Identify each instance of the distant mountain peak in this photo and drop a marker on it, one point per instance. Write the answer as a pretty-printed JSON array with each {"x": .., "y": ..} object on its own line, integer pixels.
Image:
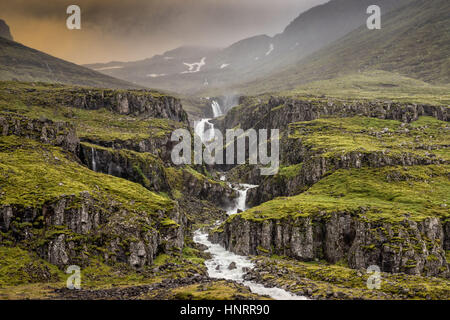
[{"x": 4, "y": 31}]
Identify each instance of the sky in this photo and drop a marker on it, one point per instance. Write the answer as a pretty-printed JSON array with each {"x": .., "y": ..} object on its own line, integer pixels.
[{"x": 118, "y": 30}]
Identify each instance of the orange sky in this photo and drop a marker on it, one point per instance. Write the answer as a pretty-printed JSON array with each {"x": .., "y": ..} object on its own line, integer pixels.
[{"x": 137, "y": 29}]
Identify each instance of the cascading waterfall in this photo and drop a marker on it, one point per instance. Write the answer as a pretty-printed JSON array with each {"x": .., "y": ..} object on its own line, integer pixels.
[
  {"x": 219, "y": 265},
  {"x": 205, "y": 129},
  {"x": 242, "y": 198},
  {"x": 217, "y": 111},
  {"x": 94, "y": 164}
]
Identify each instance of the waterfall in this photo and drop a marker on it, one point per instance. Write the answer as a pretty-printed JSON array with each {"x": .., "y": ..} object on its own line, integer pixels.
[
  {"x": 94, "y": 164},
  {"x": 241, "y": 200},
  {"x": 221, "y": 259},
  {"x": 217, "y": 111},
  {"x": 205, "y": 130}
]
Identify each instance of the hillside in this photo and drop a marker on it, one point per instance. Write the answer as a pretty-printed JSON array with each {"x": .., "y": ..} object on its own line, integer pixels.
[
  {"x": 413, "y": 41},
  {"x": 21, "y": 63}
]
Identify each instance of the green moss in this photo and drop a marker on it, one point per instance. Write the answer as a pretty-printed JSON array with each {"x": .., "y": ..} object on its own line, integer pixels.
[
  {"x": 290, "y": 171},
  {"x": 337, "y": 281},
  {"x": 376, "y": 193},
  {"x": 334, "y": 136},
  {"x": 32, "y": 174},
  {"x": 18, "y": 267}
]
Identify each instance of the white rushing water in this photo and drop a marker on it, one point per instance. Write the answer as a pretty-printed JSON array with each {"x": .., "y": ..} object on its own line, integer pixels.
[
  {"x": 205, "y": 130},
  {"x": 217, "y": 111},
  {"x": 94, "y": 164},
  {"x": 242, "y": 198},
  {"x": 218, "y": 268},
  {"x": 218, "y": 265}
]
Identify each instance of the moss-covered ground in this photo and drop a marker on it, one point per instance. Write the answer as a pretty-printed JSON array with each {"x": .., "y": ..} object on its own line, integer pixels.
[
  {"x": 387, "y": 193},
  {"x": 320, "y": 280}
]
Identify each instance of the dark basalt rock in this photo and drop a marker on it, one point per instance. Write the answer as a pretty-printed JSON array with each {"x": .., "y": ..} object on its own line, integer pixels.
[{"x": 343, "y": 237}]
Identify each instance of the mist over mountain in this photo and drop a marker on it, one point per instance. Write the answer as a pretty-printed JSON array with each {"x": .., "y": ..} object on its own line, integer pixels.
[
  {"x": 250, "y": 58},
  {"x": 414, "y": 41}
]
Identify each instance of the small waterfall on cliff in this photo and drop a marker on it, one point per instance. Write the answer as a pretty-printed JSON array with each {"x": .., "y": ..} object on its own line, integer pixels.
[
  {"x": 242, "y": 198},
  {"x": 94, "y": 164},
  {"x": 205, "y": 130},
  {"x": 217, "y": 111}
]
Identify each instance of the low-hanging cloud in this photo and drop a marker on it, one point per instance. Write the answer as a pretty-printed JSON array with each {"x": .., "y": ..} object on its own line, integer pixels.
[{"x": 136, "y": 29}]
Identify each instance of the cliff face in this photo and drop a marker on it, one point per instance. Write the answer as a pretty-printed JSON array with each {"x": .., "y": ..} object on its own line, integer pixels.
[
  {"x": 278, "y": 112},
  {"x": 132, "y": 102},
  {"x": 71, "y": 229},
  {"x": 4, "y": 30},
  {"x": 410, "y": 247},
  {"x": 74, "y": 213},
  {"x": 59, "y": 134},
  {"x": 143, "y": 168}
]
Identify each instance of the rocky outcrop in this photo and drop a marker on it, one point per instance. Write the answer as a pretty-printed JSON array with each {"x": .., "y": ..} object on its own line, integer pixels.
[
  {"x": 135, "y": 103},
  {"x": 60, "y": 134},
  {"x": 72, "y": 229},
  {"x": 278, "y": 112},
  {"x": 4, "y": 30},
  {"x": 412, "y": 247},
  {"x": 200, "y": 187},
  {"x": 142, "y": 168},
  {"x": 160, "y": 146}
]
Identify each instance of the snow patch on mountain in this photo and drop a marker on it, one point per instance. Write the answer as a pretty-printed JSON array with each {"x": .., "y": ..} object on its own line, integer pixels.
[
  {"x": 194, "y": 67},
  {"x": 270, "y": 49},
  {"x": 155, "y": 75},
  {"x": 223, "y": 66},
  {"x": 109, "y": 68}
]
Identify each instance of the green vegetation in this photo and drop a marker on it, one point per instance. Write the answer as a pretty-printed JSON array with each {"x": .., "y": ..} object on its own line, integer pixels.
[
  {"x": 414, "y": 41},
  {"x": 19, "y": 267},
  {"x": 48, "y": 101},
  {"x": 326, "y": 281},
  {"x": 32, "y": 174},
  {"x": 217, "y": 290},
  {"x": 332, "y": 136},
  {"x": 387, "y": 193},
  {"x": 374, "y": 85}
]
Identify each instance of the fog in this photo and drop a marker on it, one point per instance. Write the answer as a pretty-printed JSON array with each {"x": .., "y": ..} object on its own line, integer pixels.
[{"x": 117, "y": 30}]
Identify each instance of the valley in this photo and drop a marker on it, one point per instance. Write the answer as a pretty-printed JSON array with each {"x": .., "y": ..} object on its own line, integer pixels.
[{"x": 362, "y": 182}]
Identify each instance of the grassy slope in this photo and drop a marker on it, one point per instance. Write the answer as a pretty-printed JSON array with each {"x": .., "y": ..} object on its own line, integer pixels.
[
  {"x": 18, "y": 62},
  {"x": 414, "y": 41},
  {"x": 40, "y": 100},
  {"x": 386, "y": 193}
]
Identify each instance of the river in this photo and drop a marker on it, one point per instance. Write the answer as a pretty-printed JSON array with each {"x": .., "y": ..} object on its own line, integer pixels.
[{"x": 218, "y": 266}]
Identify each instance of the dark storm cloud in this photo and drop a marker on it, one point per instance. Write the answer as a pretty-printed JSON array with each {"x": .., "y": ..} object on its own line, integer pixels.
[{"x": 133, "y": 29}]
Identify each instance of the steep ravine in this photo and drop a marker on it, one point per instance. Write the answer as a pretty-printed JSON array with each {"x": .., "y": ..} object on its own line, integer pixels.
[
  {"x": 230, "y": 266},
  {"x": 225, "y": 264}
]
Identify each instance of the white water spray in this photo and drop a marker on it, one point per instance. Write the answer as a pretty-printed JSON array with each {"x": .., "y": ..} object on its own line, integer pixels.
[
  {"x": 242, "y": 198},
  {"x": 217, "y": 111},
  {"x": 94, "y": 164}
]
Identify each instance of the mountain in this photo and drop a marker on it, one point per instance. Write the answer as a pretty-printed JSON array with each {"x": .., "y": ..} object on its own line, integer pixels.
[
  {"x": 4, "y": 30},
  {"x": 414, "y": 41},
  {"x": 21, "y": 63},
  {"x": 190, "y": 70}
]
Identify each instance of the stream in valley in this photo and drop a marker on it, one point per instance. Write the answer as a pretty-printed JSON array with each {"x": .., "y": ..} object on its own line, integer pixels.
[{"x": 225, "y": 264}]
